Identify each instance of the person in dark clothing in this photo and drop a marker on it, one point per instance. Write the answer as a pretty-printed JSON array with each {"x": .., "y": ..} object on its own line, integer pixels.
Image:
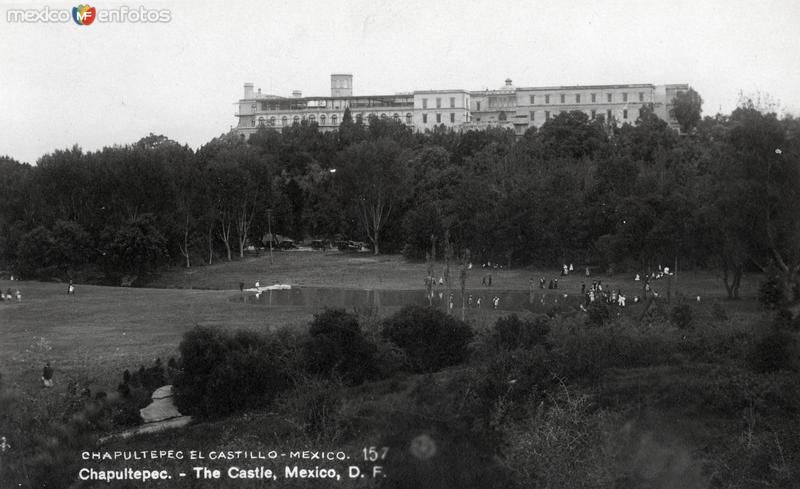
[
  {"x": 47, "y": 375},
  {"x": 583, "y": 288}
]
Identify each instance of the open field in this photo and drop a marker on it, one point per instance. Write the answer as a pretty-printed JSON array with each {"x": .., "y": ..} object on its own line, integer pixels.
[
  {"x": 366, "y": 271},
  {"x": 103, "y": 330}
]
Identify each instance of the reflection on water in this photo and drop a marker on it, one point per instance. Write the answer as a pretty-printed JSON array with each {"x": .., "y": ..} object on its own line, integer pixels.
[{"x": 318, "y": 297}]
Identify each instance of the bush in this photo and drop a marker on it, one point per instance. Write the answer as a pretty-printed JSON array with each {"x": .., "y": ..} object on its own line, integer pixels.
[
  {"x": 775, "y": 351},
  {"x": 431, "y": 339},
  {"x": 511, "y": 332},
  {"x": 510, "y": 379},
  {"x": 389, "y": 359},
  {"x": 597, "y": 314},
  {"x": 771, "y": 293},
  {"x": 563, "y": 443},
  {"x": 785, "y": 319},
  {"x": 681, "y": 316},
  {"x": 314, "y": 404},
  {"x": 223, "y": 372},
  {"x": 585, "y": 354},
  {"x": 337, "y": 347},
  {"x": 655, "y": 313}
]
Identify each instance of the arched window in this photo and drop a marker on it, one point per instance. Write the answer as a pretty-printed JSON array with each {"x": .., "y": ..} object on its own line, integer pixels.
[
  {"x": 334, "y": 120},
  {"x": 322, "y": 120},
  {"x": 296, "y": 119},
  {"x": 501, "y": 116},
  {"x": 284, "y": 121},
  {"x": 396, "y": 117},
  {"x": 409, "y": 118},
  {"x": 261, "y": 121},
  {"x": 312, "y": 118},
  {"x": 383, "y": 116},
  {"x": 272, "y": 121}
]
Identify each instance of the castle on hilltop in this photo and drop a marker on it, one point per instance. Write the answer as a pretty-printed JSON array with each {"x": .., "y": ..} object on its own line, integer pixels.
[{"x": 517, "y": 108}]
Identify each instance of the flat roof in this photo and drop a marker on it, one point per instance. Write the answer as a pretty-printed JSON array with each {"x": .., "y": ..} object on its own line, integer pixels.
[
  {"x": 590, "y": 87},
  {"x": 328, "y": 97},
  {"x": 452, "y": 90}
]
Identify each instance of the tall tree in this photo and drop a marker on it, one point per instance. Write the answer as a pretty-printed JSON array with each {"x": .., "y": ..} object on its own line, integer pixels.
[
  {"x": 686, "y": 108},
  {"x": 375, "y": 174}
]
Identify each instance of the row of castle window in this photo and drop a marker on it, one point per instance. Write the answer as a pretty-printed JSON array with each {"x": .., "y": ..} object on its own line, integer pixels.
[
  {"x": 563, "y": 98},
  {"x": 438, "y": 118},
  {"x": 323, "y": 119},
  {"x": 439, "y": 103}
]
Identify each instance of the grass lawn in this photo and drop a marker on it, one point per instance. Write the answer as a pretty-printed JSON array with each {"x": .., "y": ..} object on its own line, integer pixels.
[
  {"x": 366, "y": 271},
  {"x": 103, "y": 330},
  {"x": 100, "y": 331}
]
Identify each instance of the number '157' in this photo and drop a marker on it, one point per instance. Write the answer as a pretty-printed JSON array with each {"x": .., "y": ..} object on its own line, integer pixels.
[{"x": 373, "y": 454}]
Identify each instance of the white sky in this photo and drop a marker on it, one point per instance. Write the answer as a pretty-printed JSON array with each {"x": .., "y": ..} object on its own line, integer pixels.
[{"x": 105, "y": 84}]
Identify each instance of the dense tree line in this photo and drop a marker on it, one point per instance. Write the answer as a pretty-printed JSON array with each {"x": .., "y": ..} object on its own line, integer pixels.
[{"x": 723, "y": 193}]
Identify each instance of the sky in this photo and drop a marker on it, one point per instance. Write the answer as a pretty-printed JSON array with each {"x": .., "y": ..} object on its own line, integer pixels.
[{"x": 103, "y": 84}]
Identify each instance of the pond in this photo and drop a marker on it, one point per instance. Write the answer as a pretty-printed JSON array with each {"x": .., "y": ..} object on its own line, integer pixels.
[{"x": 319, "y": 297}]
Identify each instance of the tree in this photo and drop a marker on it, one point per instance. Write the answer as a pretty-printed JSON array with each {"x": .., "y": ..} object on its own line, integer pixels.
[
  {"x": 686, "y": 109},
  {"x": 137, "y": 247},
  {"x": 71, "y": 246},
  {"x": 235, "y": 183},
  {"x": 375, "y": 174},
  {"x": 34, "y": 247},
  {"x": 572, "y": 134}
]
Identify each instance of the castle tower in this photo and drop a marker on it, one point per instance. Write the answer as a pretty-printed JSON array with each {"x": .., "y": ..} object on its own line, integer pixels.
[{"x": 341, "y": 85}]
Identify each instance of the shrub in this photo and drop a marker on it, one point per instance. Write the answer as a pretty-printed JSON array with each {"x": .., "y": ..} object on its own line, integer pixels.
[
  {"x": 314, "y": 404},
  {"x": 655, "y": 313},
  {"x": 771, "y": 293},
  {"x": 597, "y": 314},
  {"x": 777, "y": 350},
  {"x": 585, "y": 354},
  {"x": 431, "y": 339},
  {"x": 511, "y": 332},
  {"x": 681, "y": 316},
  {"x": 389, "y": 359},
  {"x": 563, "y": 443},
  {"x": 337, "y": 347},
  {"x": 224, "y": 372},
  {"x": 511, "y": 378}
]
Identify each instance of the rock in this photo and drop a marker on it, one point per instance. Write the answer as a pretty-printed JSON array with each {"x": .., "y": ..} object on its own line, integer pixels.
[{"x": 161, "y": 408}]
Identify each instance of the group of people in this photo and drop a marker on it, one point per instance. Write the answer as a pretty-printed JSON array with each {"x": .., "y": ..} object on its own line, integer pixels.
[
  {"x": 472, "y": 302},
  {"x": 10, "y": 295},
  {"x": 552, "y": 285},
  {"x": 608, "y": 295}
]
